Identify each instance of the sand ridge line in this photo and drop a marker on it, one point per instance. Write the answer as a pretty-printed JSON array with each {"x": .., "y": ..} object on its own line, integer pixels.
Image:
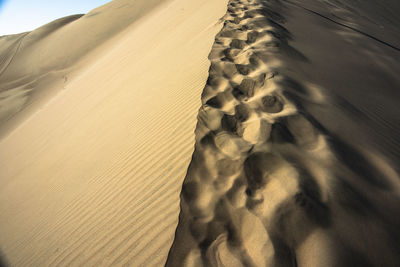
[
  {"x": 93, "y": 179},
  {"x": 266, "y": 181},
  {"x": 15, "y": 46}
]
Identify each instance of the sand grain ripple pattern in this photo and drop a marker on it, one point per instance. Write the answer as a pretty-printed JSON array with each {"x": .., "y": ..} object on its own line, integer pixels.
[{"x": 267, "y": 184}]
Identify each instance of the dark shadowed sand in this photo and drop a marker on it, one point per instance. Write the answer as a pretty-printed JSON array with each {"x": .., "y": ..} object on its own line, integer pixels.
[
  {"x": 294, "y": 160},
  {"x": 298, "y": 140}
]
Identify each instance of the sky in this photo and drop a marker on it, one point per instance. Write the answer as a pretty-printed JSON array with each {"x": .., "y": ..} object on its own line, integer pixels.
[{"x": 18, "y": 16}]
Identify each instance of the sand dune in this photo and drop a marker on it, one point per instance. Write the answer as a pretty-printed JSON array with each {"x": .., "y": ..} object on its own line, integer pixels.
[
  {"x": 294, "y": 160},
  {"x": 35, "y": 66},
  {"x": 269, "y": 184},
  {"x": 93, "y": 176}
]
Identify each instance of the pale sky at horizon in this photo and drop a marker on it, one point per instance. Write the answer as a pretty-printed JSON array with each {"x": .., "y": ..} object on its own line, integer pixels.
[{"x": 18, "y": 16}]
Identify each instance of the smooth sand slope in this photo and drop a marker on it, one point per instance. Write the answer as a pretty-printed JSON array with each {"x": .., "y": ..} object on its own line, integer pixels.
[
  {"x": 297, "y": 141},
  {"x": 35, "y": 65},
  {"x": 92, "y": 176}
]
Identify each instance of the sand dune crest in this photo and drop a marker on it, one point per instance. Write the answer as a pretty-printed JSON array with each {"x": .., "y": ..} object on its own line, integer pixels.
[{"x": 269, "y": 187}]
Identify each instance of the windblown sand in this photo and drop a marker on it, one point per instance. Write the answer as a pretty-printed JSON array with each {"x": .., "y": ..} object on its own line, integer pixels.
[
  {"x": 269, "y": 184},
  {"x": 294, "y": 159},
  {"x": 93, "y": 176}
]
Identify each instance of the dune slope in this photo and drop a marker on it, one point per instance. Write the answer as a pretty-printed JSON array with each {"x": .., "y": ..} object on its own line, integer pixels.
[
  {"x": 296, "y": 144},
  {"x": 34, "y": 66},
  {"x": 92, "y": 178}
]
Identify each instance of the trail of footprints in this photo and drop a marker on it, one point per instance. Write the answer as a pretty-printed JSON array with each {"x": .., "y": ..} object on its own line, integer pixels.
[
  {"x": 243, "y": 202},
  {"x": 236, "y": 182}
]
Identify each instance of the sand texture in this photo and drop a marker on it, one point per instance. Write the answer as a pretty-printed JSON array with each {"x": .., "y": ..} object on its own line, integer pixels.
[
  {"x": 93, "y": 176},
  {"x": 268, "y": 184},
  {"x": 294, "y": 160},
  {"x": 35, "y": 66}
]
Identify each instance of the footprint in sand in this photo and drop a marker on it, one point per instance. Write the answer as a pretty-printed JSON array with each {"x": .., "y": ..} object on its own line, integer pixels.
[{"x": 252, "y": 162}]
